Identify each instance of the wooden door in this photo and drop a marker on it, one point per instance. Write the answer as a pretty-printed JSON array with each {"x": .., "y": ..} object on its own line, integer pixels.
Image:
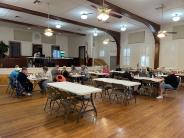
[{"x": 82, "y": 55}]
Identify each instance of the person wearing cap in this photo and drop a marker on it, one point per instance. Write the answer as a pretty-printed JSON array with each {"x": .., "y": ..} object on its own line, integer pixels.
[{"x": 14, "y": 73}]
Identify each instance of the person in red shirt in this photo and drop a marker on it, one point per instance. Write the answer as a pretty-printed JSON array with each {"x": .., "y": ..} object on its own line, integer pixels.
[{"x": 106, "y": 70}]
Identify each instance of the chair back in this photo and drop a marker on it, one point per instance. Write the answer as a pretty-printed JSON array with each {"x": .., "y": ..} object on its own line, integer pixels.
[
  {"x": 19, "y": 88},
  {"x": 99, "y": 84},
  {"x": 118, "y": 86}
]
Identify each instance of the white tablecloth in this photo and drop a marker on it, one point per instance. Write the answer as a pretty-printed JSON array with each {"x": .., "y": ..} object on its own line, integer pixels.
[
  {"x": 157, "y": 80},
  {"x": 37, "y": 79},
  {"x": 75, "y": 88},
  {"x": 121, "y": 82},
  {"x": 120, "y": 72},
  {"x": 98, "y": 73}
]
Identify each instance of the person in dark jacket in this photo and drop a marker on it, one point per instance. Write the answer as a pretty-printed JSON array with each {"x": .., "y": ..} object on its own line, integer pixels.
[
  {"x": 24, "y": 81},
  {"x": 65, "y": 73},
  {"x": 127, "y": 75},
  {"x": 170, "y": 82},
  {"x": 118, "y": 68}
]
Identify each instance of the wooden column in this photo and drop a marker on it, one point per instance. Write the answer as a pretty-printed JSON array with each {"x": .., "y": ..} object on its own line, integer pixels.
[
  {"x": 117, "y": 38},
  {"x": 157, "y": 51}
]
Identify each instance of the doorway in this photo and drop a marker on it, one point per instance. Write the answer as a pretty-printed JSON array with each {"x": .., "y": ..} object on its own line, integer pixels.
[
  {"x": 15, "y": 49},
  {"x": 82, "y": 55},
  {"x": 113, "y": 62},
  {"x": 37, "y": 48}
]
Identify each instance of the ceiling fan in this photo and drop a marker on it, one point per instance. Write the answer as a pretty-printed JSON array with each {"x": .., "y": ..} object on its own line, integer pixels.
[
  {"x": 111, "y": 14},
  {"x": 163, "y": 33},
  {"x": 104, "y": 12},
  {"x": 37, "y": 2}
]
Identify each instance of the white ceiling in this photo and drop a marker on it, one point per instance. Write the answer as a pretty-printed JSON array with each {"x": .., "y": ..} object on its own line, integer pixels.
[
  {"x": 146, "y": 8},
  {"x": 71, "y": 9}
]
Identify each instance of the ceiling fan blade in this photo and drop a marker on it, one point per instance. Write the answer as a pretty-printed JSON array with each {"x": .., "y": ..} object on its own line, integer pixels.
[
  {"x": 172, "y": 32},
  {"x": 89, "y": 13},
  {"x": 94, "y": 6},
  {"x": 115, "y": 15}
]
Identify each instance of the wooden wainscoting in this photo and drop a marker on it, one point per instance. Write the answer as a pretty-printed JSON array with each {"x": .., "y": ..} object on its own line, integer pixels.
[{"x": 3, "y": 79}]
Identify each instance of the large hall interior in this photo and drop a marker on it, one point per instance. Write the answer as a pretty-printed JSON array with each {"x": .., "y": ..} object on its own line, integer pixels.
[{"x": 91, "y": 68}]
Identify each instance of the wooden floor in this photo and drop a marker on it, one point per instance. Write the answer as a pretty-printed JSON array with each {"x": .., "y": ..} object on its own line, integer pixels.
[{"x": 149, "y": 118}]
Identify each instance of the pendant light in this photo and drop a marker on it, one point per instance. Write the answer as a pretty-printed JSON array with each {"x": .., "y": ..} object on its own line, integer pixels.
[
  {"x": 103, "y": 13},
  {"x": 106, "y": 40},
  {"x": 48, "y": 31},
  {"x": 162, "y": 34}
]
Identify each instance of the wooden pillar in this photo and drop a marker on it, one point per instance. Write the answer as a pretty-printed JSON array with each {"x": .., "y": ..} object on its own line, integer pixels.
[
  {"x": 117, "y": 38},
  {"x": 157, "y": 51}
]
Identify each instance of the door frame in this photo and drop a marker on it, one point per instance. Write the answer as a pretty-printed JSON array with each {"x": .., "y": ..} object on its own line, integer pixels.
[
  {"x": 10, "y": 55},
  {"x": 82, "y": 47},
  {"x": 33, "y": 45}
]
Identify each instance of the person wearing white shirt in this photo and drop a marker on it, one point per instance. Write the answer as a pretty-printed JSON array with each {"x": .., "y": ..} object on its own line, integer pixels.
[{"x": 47, "y": 77}]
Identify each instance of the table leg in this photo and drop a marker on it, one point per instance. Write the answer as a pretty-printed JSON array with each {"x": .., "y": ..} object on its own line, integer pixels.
[{"x": 92, "y": 102}]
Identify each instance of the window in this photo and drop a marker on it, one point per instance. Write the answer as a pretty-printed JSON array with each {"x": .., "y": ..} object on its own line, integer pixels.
[
  {"x": 102, "y": 53},
  {"x": 144, "y": 59},
  {"x": 126, "y": 56},
  {"x": 15, "y": 49},
  {"x": 55, "y": 51}
]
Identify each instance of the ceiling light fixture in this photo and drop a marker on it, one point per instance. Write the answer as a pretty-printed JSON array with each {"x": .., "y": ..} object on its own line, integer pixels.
[
  {"x": 176, "y": 17},
  {"x": 84, "y": 15},
  {"x": 58, "y": 26},
  {"x": 123, "y": 28},
  {"x": 161, "y": 34},
  {"x": 95, "y": 33},
  {"x": 48, "y": 32},
  {"x": 106, "y": 41},
  {"x": 103, "y": 13}
]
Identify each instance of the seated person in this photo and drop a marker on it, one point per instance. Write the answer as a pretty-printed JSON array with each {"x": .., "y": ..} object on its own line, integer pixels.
[
  {"x": 14, "y": 73},
  {"x": 60, "y": 78},
  {"x": 106, "y": 70},
  {"x": 170, "y": 82},
  {"x": 24, "y": 81},
  {"x": 143, "y": 73},
  {"x": 127, "y": 75},
  {"x": 43, "y": 83},
  {"x": 85, "y": 73},
  {"x": 55, "y": 71},
  {"x": 150, "y": 72},
  {"x": 65, "y": 73},
  {"x": 118, "y": 68},
  {"x": 73, "y": 69}
]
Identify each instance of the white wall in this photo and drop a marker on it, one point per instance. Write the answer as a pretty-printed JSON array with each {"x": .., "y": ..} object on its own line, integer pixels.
[
  {"x": 139, "y": 49},
  {"x": 7, "y": 34},
  {"x": 172, "y": 51},
  {"x": 108, "y": 50},
  {"x": 75, "y": 41}
]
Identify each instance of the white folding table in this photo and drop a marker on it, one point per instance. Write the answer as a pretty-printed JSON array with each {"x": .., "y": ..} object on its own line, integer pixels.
[
  {"x": 116, "y": 81},
  {"x": 77, "y": 89}
]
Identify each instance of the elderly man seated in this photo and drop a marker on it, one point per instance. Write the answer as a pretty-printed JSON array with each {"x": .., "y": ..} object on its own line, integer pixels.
[{"x": 170, "y": 82}]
